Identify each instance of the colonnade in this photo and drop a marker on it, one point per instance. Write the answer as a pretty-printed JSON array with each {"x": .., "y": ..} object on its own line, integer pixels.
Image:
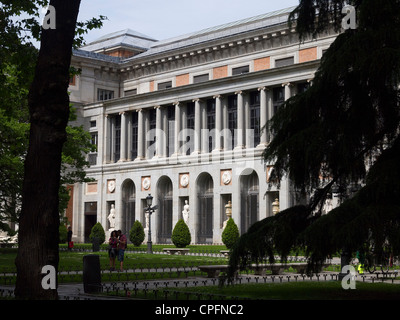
[{"x": 118, "y": 132}]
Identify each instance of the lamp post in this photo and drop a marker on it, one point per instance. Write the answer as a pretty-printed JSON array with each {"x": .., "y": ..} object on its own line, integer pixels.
[{"x": 149, "y": 201}]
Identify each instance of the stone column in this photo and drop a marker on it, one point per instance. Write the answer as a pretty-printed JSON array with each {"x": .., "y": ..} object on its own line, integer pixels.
[
  {"x": 288, "y": 90},
  {"x": 247, "y": 132},
  {"x": 263, "y": 116},
  {"x": 240, "y": 120},
  {"x": 197, "y": 126},
  {"x": 203, "y": 128},
  {"x": 218, "y": 122},
  {"x": 159, "y": 132},
  {"x": 177, "y": 127},
  {"x": 112, "y": 139},
  {"x": 285, "y": 185},
  {"x": 140, "y": 154},
  {"x": 129, "y": 138},
  {"x": 106, "y": 139},
  {"x": 123, "y": 137}
]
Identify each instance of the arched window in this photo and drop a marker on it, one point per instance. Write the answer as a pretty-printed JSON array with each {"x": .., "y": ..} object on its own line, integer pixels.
[
  {"x": 249, "y": 191},
  {"x": 128, "y": 206},
  {"x": 164, "y": 212},
  {"x": 205, "y": 187}
]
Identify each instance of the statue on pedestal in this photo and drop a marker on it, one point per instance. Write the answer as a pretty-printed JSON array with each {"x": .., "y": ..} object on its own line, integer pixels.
[
  {"x": 228, "y": 211},
  {"x": 111, "y": 217},
  {"x": 185, "y": 212}
]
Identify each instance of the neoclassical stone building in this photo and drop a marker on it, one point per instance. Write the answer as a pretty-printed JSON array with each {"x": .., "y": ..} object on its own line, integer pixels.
[{"x": 181, "y": 119}]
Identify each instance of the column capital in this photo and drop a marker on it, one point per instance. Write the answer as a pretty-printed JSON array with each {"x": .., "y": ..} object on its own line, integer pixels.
[
  {"x": 217, "y": 96},
  {"x": 157, "y": 107},
  {"x": 287, "y": 84},
  {"x": 122, "y": 113},
  {"x": 176, "y": 103},
  {"x": 240, "y": 92},
  {"x": 265, "y": 88},
  {"x": 197, "y": 100}
]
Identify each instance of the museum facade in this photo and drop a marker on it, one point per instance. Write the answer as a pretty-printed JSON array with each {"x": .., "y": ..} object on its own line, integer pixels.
[{"x": 182, "y": 119}]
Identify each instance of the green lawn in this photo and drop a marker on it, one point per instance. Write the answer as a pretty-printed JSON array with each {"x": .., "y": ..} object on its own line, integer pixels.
[
  {"x": 326, "y": 290},
  {"x": 73, "y": 260}
]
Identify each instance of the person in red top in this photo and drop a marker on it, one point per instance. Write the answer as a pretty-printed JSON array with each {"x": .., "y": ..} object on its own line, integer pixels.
[
  {"x": 112, "y": 251},
  {"x": 122, "y": 242}
]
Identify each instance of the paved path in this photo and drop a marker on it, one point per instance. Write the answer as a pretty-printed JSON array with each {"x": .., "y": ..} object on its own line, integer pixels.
[{"x": 75, "y": 291}]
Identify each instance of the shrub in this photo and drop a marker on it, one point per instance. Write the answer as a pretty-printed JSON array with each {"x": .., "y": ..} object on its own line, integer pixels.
[
  {"x": 63, "y": 233},
  {"x": 98, "y": 232},
  {"x": 181, "y": 235},
  {"x": 230, "y": 234},
  {"x": 136, "y": 234}
]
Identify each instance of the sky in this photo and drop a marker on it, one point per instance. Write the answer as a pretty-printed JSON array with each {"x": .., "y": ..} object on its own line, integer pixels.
[{"x": 164, "y": 19}]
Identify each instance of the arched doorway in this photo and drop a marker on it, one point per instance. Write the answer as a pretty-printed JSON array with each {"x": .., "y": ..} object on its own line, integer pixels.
[
  {"x": 164, "y": 212},
  {"x": 128, "y": 206},
  {"x": 249, "y": 194},
  {"x": 205, "y": 195}
]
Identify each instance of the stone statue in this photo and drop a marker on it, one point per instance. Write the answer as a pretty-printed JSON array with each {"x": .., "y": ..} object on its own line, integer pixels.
[
  {"x": 185, "y": 212},
  {"x": 147, "y": 216},
  {"x": 111, "y": 217}
]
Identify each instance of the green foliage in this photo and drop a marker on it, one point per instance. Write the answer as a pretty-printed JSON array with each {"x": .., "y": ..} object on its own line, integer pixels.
[
  {"x": 324, "y": 137},
  {"x": 98, "y": 232},
  {"x": 136, "y": 234},
  {"x": 19, "y": 29},
  {"x": 63, "y": 233},
  {"x": 181, "y": 235},
  {"x": 230, "y": 234}
]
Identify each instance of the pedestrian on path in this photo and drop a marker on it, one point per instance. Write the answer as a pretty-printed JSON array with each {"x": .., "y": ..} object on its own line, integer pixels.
[
  {"x": 122, "y": 242},
  {"x": 113, "y": 250}
]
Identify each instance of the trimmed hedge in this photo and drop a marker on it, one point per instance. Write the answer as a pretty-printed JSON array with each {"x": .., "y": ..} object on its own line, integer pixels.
[
  {"x": 136, "y": 234},
  {"x": 230, "y": 234},
  {"x": 181, "y": 235},
  {"x": 98, "y": 232}
]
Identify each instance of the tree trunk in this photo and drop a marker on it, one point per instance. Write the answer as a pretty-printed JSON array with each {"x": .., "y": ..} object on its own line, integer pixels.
[{"x": 49, "y": 111}]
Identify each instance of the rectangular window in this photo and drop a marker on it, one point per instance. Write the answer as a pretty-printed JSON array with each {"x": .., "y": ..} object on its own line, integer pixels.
[
  {"x": 240, "y": 70},
  {"x": 134, "y": 146},
  {"x": 151, "y": 144},
  {"x": 103, "y": 94},
  {"x": 255, "y": 117},
  {"x": 93, "y": 124},
  {"x": 232, "y": 119},
  {"x": 117, "y": 138},
  {"x": 72, "y": 80},
  {"x": 171, "y": 131},
  {"x": 284, "y": 62},
  {"x": 303, "y": 87},
  {"x": 93, "y": 138},
  {"x": 164, "y": 85},
  {"x": 190, "y": 126},
  {"x": 278, "y": 97},
  {"x": 211, "y": 123},
  {"x": 128, "y": 93},
  {"x": 201, "y": 78}
]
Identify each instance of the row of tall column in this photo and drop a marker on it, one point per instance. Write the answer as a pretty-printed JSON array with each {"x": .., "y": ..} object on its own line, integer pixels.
[{"x": 200, "y": 144}]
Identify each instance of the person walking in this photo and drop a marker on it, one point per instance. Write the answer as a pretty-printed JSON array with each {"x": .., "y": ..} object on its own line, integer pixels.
[
  {"x": 69, "y": 239},
  {"x": 112, "y": 250},
  {"x": 122, "y": 243}
]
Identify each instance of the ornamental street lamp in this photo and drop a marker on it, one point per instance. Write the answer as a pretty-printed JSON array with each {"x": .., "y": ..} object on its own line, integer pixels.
[{"x": 150, "y": 210}]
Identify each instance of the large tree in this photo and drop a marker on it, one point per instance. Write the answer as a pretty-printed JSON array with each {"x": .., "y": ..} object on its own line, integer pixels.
[
  {"x": 49, "y": 113},
  {"x": 341, "y": 135}
]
